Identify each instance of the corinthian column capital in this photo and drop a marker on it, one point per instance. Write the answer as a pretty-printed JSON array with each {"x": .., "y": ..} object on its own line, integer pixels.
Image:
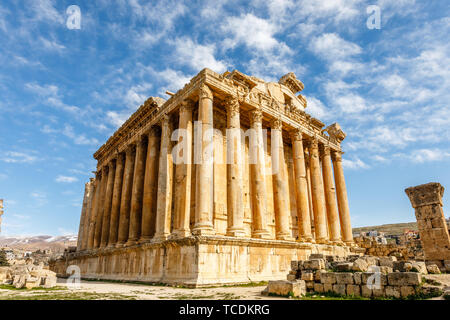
[
  {"x": 277, "y": 124},
  {"x": 186, "y": 106},
  {"x": 232, "y": 105},
  {"x": 336, "y": 156},
  {"x": 296, "y": 135},
  {"x": 256, "y": 117},
  {"x": 205, "y": 92}
]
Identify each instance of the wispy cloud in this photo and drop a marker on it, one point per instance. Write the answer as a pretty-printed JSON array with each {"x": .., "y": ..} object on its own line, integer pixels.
[{"x": 66, "y": 179}]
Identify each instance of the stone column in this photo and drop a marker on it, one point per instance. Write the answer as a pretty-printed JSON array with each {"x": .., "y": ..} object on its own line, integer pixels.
[
  {"x": 150, "y": 185},
  {"x": 426, "y": 200},
  {"x": 204, "y": 191},
  {"x": 93, "y": 217},
  {"x": 107, "y": 204},
  {"x": 301, "y": 187},
  {"x": 101, "y": 208},
  {"x": 280, "y": 182},
  {"x": 82, "y": 218},
  {"x": 235, "y": 206},
  {"x": 308, "y": 179},
  {"x": 125, "y": 201},
  {"x": 164, "y": 198},
  {"x": 341, "y": 193},
  {"x": 258, "y": 176},
  {"x": 183, "y": 173},
  {"x": 330, "y": 196},
  {"x": 87, "y": 220},
  {"x": 318, "y": 197},
  {"x": 115, "y": 207},
  {"x": 137, "y": 192}
]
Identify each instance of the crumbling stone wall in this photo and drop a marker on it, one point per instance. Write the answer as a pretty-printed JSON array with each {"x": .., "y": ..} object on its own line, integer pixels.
[
  {"x": 426, "y": 199},
  {"x": 412, "y": 250}
]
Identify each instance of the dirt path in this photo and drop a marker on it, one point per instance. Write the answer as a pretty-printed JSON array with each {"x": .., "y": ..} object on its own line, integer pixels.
[{"x": 109, "y": 290}]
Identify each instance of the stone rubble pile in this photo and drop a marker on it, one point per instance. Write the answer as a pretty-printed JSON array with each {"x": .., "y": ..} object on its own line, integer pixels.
[
  {"x": 28, "y": 276},
  {"x": 356, "y": 275}
]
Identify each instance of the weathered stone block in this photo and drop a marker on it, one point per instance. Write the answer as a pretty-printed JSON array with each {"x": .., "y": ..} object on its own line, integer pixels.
[
  {"x": 284, "y": 288},
  {"x": 316, "y": 256},
  {"x": 309, "y": 284},
  {"x": 327, "y": 287},
  {"x": 433, "y": 269},
  {"x": 344, "y": 266},
  {"x": 314, "y": 264},
  {"x": 371, "y": 278},
  {"x": 294, "y": 265},
  {"x": 419, "y": 266},
  {"x": 318, "y": 274},
  {"x": 340, "y": 289},
  {"x": 387, "y": 261},
  {"x": 447, "y": 265},
  {"x": 404, "y": 278},
  {"x": 379, "y": 291},
  {"x": 386, "y": 270},
  {"x": 357, "y": 277},
  {"x": 318, "y": 287},
  {"x": 328, "y": 277},
  {"x": 393, "y": 291},
  {"x": 291, "y": 277},
  {"x": 353, "y": 289},
  {"x": 307, "y": 276},
  {"x": 360, "y": 265},
  {"x": 344, "y": 278},
  {"x": 366, "y": 291},
  {"x": 407, "y": 291}
]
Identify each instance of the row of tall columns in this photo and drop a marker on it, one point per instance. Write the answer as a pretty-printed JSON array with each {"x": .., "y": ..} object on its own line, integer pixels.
[{"x": 130, "y": 200}]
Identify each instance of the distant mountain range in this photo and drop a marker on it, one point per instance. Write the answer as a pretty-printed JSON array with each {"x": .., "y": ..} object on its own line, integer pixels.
[{"x": 32, "y": 243}]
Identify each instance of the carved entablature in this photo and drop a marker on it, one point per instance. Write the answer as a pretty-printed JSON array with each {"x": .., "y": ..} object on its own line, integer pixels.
[
  {"x": 335, "y": 132},
  {"x": 291, "y": 81},
  {"x": 241, "y": 79}
]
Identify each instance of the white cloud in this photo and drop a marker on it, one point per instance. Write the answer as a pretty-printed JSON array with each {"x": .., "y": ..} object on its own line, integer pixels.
[
  {"x": 197, "y": 56},
  {"x": 331, "y": 46},
  {"x": 79, "y": 139},
  {"x": 317, "y": 109},
  {"x": 427, "y": 155},
  {"x": 354, "y": 164},
  {"x": 18, "y": 157},
  {"x": 253, "y": 32},
  {"x": 66, "y": 179}
]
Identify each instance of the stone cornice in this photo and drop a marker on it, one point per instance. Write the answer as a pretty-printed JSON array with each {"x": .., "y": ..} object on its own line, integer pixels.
[{"x": 229, "y": 84}]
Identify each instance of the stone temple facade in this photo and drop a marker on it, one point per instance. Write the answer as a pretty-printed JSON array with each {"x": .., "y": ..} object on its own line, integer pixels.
[{"x": 225, "y": 182}]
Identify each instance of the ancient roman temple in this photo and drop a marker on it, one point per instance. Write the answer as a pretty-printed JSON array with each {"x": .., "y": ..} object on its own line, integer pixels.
[{"x": 227, "y": 181}]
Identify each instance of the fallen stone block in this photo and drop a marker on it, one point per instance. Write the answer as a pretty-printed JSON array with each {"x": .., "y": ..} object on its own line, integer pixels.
[
  {"x": 447, "y": 265},
  {"x": 387, "y": 261},
  {"x": 343, "y": 266},
  {"x": 309, "y": 284},
  {"x": 291, "y": 277},
  {"x": 314, "y": 264},
  {"x": 307, "y": 276},
  {"x": 433, "y": 269},
  {"x": 294, "y": 265},
  {"x": 404, "y": 278},
  {"x": 285, "y": 288},
  {"x": 419, "y": 266},
  {"x": 386, "y": 270},
  {"x": 318, "y": 274},
  {"x": 360, "y": 265}
]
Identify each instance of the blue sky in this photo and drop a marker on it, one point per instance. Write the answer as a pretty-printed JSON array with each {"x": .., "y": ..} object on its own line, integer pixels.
[{"x": 63, "y": 92}]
